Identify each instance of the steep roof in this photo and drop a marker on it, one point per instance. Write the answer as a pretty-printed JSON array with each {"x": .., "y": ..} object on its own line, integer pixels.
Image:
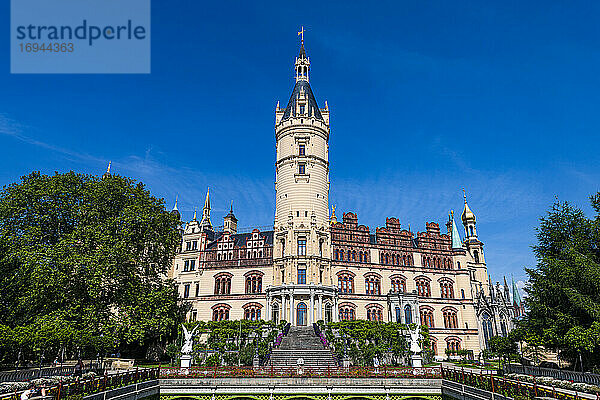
[{"x": 313, "y": 108}]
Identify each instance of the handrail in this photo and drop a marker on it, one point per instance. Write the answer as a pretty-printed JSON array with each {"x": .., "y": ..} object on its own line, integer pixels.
[
  {"x": 512, "y": 388},
  {"x": 94, "y": 384},
  {"x": 274, "y": 372}
]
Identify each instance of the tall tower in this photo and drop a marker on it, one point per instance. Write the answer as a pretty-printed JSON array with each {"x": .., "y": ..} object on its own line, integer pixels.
[{"x": 302, "y": 244}]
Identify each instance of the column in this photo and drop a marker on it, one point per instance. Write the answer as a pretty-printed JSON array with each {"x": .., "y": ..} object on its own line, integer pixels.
[
  {"x": 268, "y": 310},
  {"x": 292, "y": 316},
  {"x": 320, "y": 306},
  {"x": 283, "y": 307},
  {"x": 336, "y": 312},
  {"x": 311, "y": 314}
]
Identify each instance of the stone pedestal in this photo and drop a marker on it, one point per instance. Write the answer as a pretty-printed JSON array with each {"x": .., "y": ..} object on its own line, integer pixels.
[
  {"x": 186, "y": 363},
  {"x": 416, "y": 360},
  {"x": 256, "y": 361}
]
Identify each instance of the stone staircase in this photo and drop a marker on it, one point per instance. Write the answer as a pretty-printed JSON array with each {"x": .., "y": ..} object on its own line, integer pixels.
[{"x": 302, "y": 343}]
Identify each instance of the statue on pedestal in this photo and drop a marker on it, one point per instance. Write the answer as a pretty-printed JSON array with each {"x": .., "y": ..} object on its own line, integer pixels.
[
  {"x": 186, "y": 349},
  {"x": 415, "y": 348}
]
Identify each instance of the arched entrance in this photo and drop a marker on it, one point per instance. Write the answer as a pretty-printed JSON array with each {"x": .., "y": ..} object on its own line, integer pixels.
[{"x": 301, "y": 314}]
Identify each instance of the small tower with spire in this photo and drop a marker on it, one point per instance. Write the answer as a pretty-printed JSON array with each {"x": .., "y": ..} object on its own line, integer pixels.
[
  {"x": 473, "y": 244},
  {"x": 468, "y": 220},
  {"x": 175, "y": 210},
  {"x": 205, "y": 223},
  {"x": 107, "y": 173},
  {"x": 230, "y": 221},
  {"x": 302, "y": 64}
]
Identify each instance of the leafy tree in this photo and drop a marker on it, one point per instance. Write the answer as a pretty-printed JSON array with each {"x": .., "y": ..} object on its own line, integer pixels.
[
  {"x": 564, "y": 288},
  {"x": 504, "y": 346},
  {"x": 82, "y": 265}
]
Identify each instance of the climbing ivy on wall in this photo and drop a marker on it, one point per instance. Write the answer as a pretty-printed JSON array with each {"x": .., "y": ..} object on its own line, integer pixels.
[
  {"x": 363, "y": 341},
  {"x": 232, "y": 342}
]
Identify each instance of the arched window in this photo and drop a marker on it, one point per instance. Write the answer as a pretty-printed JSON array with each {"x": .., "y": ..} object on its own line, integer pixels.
[
  {"x": 488, "y": 331},
  {"x": 275, "y": 313},
  {"x": 223, "y": 284},
  {"x": 301, "y": 314},
  {"x": 471, "y": 230},
  {"x": 374, "y": 312},
  {"x": 337, "y": 254},
  {"x": 328, "y": 313},
  {"x": 450, "y": 318},
  {"x": 453, "y": 345},
  {"x": 347, "y": 312},
  {"x": 220, "y": 312},
  {"x": 427, "y": 316},
  {"x": 346, "y": 282},
  {"x": 447, "y": 289},
  {"x": 252, "y": 311},
  {"x": 398, "y": 284},
  {"x": 423, "y": 288},
  {"x": 462, "y": 293},
  {"x": 408, "y": 314},
  {"x": 476, "y": 256},
  {"x": 254, "y": 282},
  {"x": 349, "y": 254},
  {"x": 372, "y": 284},
  {"x": 404, "y": 260}
]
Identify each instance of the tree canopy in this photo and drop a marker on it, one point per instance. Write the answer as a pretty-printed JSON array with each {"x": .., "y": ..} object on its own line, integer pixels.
[
  {"x": 564, "y": 287},
  {"x": 83, "y": 262}
]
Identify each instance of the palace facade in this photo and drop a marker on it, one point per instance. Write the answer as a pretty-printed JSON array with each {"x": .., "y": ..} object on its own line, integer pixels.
[{"x": 312, "y": 267}]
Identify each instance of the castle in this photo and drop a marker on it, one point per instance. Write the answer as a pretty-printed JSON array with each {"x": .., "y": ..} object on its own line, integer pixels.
[{"x": 313, "y": 267}]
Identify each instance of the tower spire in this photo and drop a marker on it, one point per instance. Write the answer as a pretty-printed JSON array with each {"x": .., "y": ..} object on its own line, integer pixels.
[
  {"x": 205, "y": 222},
  {"x": 107, "y": 173}
]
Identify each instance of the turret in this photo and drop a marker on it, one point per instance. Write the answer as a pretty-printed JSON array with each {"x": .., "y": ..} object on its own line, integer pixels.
[
  {"x": 205, "y": 223},
  {"x": 230, "y": 221}
]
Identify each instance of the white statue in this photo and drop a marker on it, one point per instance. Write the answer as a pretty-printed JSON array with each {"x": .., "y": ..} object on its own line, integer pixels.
[
  {"x": 414, "y": 339},
  {"x": 188, "y": 340}
]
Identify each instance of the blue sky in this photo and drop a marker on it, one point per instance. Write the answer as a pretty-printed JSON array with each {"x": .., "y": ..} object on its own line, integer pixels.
[{"x": 426, "y": 98}]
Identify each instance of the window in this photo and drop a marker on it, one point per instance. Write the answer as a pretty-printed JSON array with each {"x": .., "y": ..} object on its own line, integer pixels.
[
  {"x": 302, "y": 107},
  {"x": 398, "y": 315},
  {"x": 336, "y": 254},
  {"x": 301, "y": 168},
  {"x": 275, "y": 313},
  {"x": 398, "y": 285},
  {"x": 223, "y": 284},
  {"x": 407, "y": 314},
  {"x": 197, "y": 289},
  {"x": 427, "y": 317},
  {"x": 186, "y": 291},
  {"x": 450, "y": 319},
  {"x": 347, "y": 312},
  {"x": 186, "y": 265},
  {"x": 471, "y": 230},
  {"x": 423, "y": 288},
  {"x": 372, "y": 285},
  {"x": 220, "y": 312},
  {"x": 188, "y": 245},
  {"x": 476, "y": 256},
  {"x": 321, "y": 247},
  {"x": 192, "y": 265},
  {"x": 301, "y": 150},
  {"x": 301, "y": 247},
  {"x": 374, "y": 313},
  {"x": 301, "y": 275},
  {"x": 195, "y": 245},
  {"x": 346, "y": 283},
  {"x": 252, "y": 311},
  {"x": 447, "y": 289},
  {"x": 453, "y": 345},
  {"x": 254, "y": 283}
]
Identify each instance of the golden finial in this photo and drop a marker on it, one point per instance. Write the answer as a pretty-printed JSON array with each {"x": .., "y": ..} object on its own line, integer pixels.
[
  {"x": 195, "y": 210},
  {"x": 465, "y": 195},
  {"x": 108, "y": 169},
  {"x": 301, "y": 34}
]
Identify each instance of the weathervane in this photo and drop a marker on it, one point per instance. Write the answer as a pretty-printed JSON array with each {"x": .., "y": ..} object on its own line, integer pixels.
[{"x": 301, "y": 34}]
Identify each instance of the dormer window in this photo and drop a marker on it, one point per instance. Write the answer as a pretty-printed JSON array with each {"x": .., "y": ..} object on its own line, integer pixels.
[
  {"x": 302, "y": 168},
  {"x": 301, "y": 150}
]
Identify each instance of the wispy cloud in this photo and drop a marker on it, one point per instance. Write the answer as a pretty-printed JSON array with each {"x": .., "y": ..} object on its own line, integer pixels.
[{"x": 16, "y": 130}]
